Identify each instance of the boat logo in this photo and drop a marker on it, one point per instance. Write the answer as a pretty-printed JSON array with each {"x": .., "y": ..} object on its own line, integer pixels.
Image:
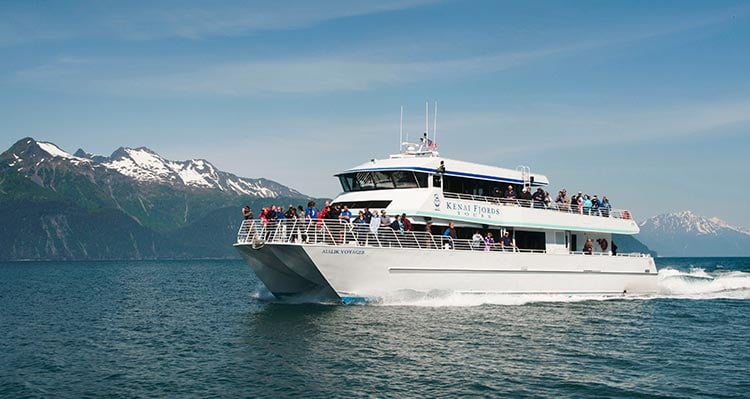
[{"x": 436, "y": 201}]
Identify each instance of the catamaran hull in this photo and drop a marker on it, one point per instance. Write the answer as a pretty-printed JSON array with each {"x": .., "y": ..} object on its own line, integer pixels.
[{"x": 372, "y": 272}]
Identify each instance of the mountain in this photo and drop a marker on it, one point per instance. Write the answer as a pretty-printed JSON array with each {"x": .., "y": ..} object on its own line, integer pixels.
[
  {"x": 687, "y": 234},
  {"x": 631, "y": 244},
  {"x": 132, "y": 204}
]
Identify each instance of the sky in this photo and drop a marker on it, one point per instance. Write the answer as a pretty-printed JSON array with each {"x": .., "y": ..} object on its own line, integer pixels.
[{"x": 647, "y": 102}]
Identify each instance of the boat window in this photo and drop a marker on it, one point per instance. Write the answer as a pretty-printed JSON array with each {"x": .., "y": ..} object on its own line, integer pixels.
[
  {"x": 382, "y": 180},
  {"x": 463, "y": 185},
  {"x": 530, "y": 240},
  {"x": 404, "y": 179},
  {"x": 364, "y": 204},
  {"x": 559, "y": 238},
  {"x": 421, "y": 179}
]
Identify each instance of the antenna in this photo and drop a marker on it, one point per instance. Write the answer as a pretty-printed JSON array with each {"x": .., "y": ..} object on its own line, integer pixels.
[
  {"x": 401, "y": 130},
  {"x": 427, "y": 118},
  {"x": 434, "y": 128}
]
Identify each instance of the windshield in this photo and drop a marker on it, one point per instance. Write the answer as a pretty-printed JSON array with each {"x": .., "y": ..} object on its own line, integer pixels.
[{"x": 382, "y": 180}]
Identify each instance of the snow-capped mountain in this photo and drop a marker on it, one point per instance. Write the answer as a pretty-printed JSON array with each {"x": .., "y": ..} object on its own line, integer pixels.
[
  {"x": 144, "y": 166},
  {"x": 687, "y": 234},
  {"x": 133, "y": 204}
]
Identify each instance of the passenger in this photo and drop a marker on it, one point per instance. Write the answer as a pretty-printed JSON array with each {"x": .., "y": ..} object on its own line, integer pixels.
[
  {"x": 360, "y": 226},
  {"x": 526, "y": 197},
  {"x": 429, "y": 242},
  {"x": 346, "y": 215},
  {"x": 510, "y": 193},
  {"x": 538, "y": 198},
  {"x": 595, "y": 204},
  {"x": 280, "y": 213},
  {"x": 398, "y": 225},
  {"x": 496, "y": 192},
  {"x": 587, "y": 204},
  {"x": 476, "y": 239},
  {"x": 406, "y": 222},
  {"x": 605, "y": 207},
  {"x": 440, "y": 169},
  {"x": 450, "y": 232},
  {"x": 374, "y": 223},
  {"x": 588, "y": 247},
  {"x": 291, "y": 213},
  {"x": 508, "y": 242},
  {"x": 300, "y": 212},
  {"x": 602, "y": 244},
  {"x": 323, "y": 212},
  {"x": 385, "y": 220},
  {"x": 579, "y": 202},
  {"x": 271, "y": 214},
  {"x": 264, "y": 216},
  {"x": 247, "y": 213},
  {"x": 312, "y": 212},
  {"x": 489, "y": 242},
  {"x": 547, "y": 200},
  {"x": 561, "y": 199},
  {"x": 368, "y": 215}
]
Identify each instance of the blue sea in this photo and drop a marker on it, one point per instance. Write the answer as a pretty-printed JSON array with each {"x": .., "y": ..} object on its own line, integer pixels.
[{"x": 209, "y": 329}]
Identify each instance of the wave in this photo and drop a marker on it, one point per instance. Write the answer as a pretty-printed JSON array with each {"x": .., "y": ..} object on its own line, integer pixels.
[{"x": 697, "y": 283}]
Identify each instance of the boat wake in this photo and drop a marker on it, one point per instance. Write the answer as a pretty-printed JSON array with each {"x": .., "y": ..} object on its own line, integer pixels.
[
  {"x": 699, "y": 284},
  {"x": 696, "y": 284}
]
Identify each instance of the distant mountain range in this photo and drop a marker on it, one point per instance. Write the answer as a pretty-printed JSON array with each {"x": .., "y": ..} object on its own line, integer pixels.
[
  {"x": 132, "y": 204},
  {"x": 687, "y": 234}
]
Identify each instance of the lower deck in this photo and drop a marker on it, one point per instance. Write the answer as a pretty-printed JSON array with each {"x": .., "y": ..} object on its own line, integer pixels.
[{"x": 335, "y": 233}]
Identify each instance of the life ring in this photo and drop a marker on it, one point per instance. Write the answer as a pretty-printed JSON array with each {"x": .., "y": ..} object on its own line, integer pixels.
[{"x": 626, "y": 214}]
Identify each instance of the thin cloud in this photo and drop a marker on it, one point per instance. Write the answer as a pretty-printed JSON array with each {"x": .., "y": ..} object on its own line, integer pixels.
[
  {"x": 125, "y": 77},
  {"x": 558, "y": 130},
  {"x": 145, "y": 20},
  {"x": 308, "y": 75}
]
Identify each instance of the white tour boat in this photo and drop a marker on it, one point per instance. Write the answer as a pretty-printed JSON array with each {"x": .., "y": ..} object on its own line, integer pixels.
[{"x": 351, "y": 262}]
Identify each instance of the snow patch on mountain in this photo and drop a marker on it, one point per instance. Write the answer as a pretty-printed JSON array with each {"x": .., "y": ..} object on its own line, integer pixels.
[
  {"x": 56, "y": 151},
  {"x": 144, "y": 166}
]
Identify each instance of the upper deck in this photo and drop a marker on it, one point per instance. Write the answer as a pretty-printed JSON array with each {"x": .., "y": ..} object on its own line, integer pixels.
[
  {"x": 430, "y": 163},
  {"x": 426, "y": 186}
]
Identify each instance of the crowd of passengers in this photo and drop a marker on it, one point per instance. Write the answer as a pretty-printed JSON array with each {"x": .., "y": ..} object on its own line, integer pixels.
[
  {"x": 581, "y": 203},
  {"x": 370, "y": 221},
  {"x": 374, "y": 219}
]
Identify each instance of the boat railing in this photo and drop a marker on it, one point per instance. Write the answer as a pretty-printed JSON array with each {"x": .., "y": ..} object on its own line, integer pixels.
[
  {"x": 336, "y": 233},
  {"x": 553, "y": 206}
]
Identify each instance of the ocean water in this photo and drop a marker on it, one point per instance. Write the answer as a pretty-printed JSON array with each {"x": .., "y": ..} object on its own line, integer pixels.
[{"x": 208, "y": 329}]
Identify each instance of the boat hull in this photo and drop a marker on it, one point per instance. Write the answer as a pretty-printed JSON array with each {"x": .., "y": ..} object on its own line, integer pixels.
[{"x": 349, "y": 272}]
